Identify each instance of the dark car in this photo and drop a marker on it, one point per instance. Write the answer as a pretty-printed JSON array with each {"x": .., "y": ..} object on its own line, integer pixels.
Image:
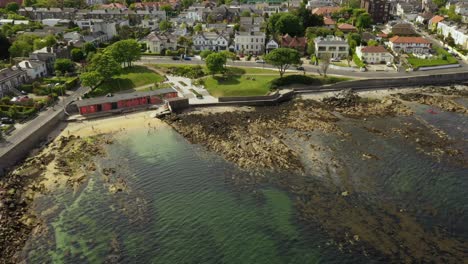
[
  {"x": 187, "y": 58},
  {"x": 175, "y": 58},
  {"x": 6, "y": 120},
  {"x": 300, "y": 68}
]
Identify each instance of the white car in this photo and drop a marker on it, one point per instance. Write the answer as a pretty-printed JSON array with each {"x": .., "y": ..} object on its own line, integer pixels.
[
  {"x": 335, "y": 60},
  {"x": 260, "y": 61}
]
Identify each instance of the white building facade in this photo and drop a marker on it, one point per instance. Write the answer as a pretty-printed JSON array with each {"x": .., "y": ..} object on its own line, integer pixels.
[
  {"x": 250, "y": 42},
  {"x": 335, "y": 46}
]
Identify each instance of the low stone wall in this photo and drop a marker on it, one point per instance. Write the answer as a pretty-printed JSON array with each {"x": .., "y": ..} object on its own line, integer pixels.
[
  {"x": 248, "y": 98},
  {"x": 19, "y": 151}
]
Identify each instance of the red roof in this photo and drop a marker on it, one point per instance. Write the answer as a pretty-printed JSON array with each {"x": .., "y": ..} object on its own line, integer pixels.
[
  {"x": 436, "y": 19},
  {"x": 328, "y": 21},
  {"x": 114, "y": 5},
  {"x": 345, "y": 26},
  {"x": 420, "y": 40},
  {"x": 296, "y": 42},
  {"x": 325, "y": 10},
  {"x": 373, "y": 49},
  {"x": 382, "y": 35},
  {"x": 3, "y": 3}
]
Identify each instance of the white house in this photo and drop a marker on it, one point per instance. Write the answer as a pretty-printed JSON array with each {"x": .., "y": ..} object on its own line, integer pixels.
[
  {"x": 250, "y": 42},
  {"x": 461, "y": 8},
  {"x": 210, "y": 41},
  {"x": 410, "y": 44},
  {"x": 374, "y": 54},
  {"x": 335, "y": 46},
  {"x": 34, "y": 68},
  {"x": 459, "y": 34},
  {"x": 311, "y": 4},
  {"x": 95, "y": 25},
  {"x": 271, "y": 45},
  {"x": 159, "y": 42}
]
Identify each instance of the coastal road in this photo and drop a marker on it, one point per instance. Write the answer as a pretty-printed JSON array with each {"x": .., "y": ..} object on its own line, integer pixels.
[
  {"x": 43, "y": 117},
  {"x": 313, "y": 69}
]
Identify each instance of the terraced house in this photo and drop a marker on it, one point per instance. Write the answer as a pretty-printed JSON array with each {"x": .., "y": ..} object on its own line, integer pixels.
[
  {"x": 250, "y": 42},
  {"x": 210, "y": 41}
]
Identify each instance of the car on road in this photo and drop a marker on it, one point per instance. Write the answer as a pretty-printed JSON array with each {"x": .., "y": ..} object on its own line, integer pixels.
[
  {"x": 175, "y": 58},
  {"x": 260, "y": 61},
  {"x": 335, "y": 60},
  {"x": 300, "y": 68},
  {"x": 187, "y": 58},
  {"x": 7, "y": 120}
]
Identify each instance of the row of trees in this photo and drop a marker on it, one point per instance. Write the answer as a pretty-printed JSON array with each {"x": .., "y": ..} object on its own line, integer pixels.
[
  {"x": 26, "y": 43},
  {"x": 108, "y": 63}
]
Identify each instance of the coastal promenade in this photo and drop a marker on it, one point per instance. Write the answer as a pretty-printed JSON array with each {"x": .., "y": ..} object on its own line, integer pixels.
[
  {"x": 314, "y": 69},
  {"x": 21, "y": 141}
]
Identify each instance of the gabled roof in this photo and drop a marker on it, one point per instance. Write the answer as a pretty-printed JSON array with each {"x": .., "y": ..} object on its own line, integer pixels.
[
  {"x": 328, "y": 21},
  {"x": 345, "y": 26},
  {"x": 325, "y": 10},
  {"x": 420, "y": 40},
  {"x": 373, "y": 49},
  {"x": 288, "y": 41},
  {"x": 436, "y": 19}
]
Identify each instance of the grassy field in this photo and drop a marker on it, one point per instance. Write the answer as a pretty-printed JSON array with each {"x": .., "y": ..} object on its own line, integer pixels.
[
  {"x": 238, "y": 85},
  {"x": 130, "y": 78},
  {"x": 440, "y": 60}
]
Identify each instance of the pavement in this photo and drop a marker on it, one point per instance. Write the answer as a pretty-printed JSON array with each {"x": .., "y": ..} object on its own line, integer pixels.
[
  {"x": 314, "y": 69},
  {"x": 185, "y": 90},
  {"x": 25, "y": 130}
]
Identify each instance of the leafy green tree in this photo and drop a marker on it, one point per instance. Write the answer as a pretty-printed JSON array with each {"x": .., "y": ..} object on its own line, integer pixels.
[
  {"x": 308, "y": 19},
  {"x": 125, "y": 51},
  {"x": 4, "y": 46},
  {"x": 245, "y": 13},
  {"x": 198, "y": 27},
  {"x": 205, "y": 53},
  {"x": 364, "y": 21},
  {"x": 439, "y": 3},
  {"x": 64, "y": 65},
  {"x": 165, "y": 25},
  {"x": 372, "y": 43},
  {"x": 77, "y": 55},
  {"x": 12, "y": 7},
  {"x": 339, "y": 33},
  {"x": 104, "y": 64},
  {"x": 91, "y": 79},
  {"x": 89, "y": 48},
  {"x": 310, "y": 47},
  {"x": 354, "y": 39},
  {"x": 215, "y": 63},
  {"x": 289, "y": 24},
  {"x": 283, "y": 58},
  {"x": 20, "y": 48}
]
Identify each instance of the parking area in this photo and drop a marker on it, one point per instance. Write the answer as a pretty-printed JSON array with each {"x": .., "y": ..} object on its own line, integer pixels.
[{"x": 380, "y": 67}]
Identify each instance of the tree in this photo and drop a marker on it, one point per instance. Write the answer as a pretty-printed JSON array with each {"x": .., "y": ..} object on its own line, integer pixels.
[
  {"x": 50, "y": 40},
  {"x": 324, "y": 62},
  {"x": 64, "y": 65},
  {"x": 185, "y": 42},
  {"x": 12, "y": 7},
  {"x": 287, "y": 24},
  {"x": 245, "y": 13},
  {"x": 20, "y": 48},
  {"x": 364, "y": 21},
  {"x": 372, "y": 42},
  {"x": 91, "y": 79},
  {"x": 354, "y": 39},
  {"x": 449, "y": 40},
  {"x": 125, "y": 51},
  {"x": 89, "y": 48},
  {"x": 283, "y": 58},
  {"x": 311, "y": 47},
  {"x": 165, "y": 25},
  {"x": 205, "y": 53},
  {"x": 215, "y": 63},
  {"x": 339, "y": 33},
  {"x": 77, "y": 55},
  {"x": 4, "y": 46},
  {"x": 308, "y": 19},
  {"x": 198, "y": 27},
  {"x": 105, "y": 65}
]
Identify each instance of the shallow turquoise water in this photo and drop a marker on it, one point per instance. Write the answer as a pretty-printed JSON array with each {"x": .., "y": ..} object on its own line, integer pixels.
[{"x": 183, "y": 204}]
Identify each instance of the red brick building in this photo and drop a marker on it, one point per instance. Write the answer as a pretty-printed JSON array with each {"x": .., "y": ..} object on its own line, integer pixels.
[
  {"x": 297, "y": 43},
  {"x": 3, "y": 3},
  {"x": 124, "y": 101}
]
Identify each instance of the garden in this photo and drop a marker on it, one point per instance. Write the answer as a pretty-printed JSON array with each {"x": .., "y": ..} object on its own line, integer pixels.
[{"x": 443, "y": 58}]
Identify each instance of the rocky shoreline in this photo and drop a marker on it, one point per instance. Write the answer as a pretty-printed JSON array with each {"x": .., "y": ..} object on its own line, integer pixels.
[
  {"x": 271, "y": 139},
  {"x": 66, "y": 161}
]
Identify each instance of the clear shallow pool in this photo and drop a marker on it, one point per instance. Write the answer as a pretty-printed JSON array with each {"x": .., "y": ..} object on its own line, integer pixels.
[{"x": 182, "y": 204}]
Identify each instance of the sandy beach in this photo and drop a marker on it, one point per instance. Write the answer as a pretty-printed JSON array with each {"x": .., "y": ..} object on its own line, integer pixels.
[{"x": 109, "y": 125}]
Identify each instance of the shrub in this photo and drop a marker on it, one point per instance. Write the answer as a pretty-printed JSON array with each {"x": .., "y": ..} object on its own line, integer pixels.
[
  {"x": 72, "y": 83},
  {"x": 293, "y": 79},
  {"x": 27, "y": 88},
  {"x": 358, "y": 61}
]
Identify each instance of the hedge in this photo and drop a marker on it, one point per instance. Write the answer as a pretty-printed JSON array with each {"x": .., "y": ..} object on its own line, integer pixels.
[
  {"x": 358, "y": 61},
  {"x": 293, "y": 79}
]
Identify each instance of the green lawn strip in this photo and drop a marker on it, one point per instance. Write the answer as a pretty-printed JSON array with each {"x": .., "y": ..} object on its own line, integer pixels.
[
  {"x": 444, "y": 58},
  {"x": 238, "y": 85},
  {"x": 130, "y": 78}
]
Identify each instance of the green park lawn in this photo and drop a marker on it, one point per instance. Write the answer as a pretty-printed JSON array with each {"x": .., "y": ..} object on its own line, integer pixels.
[
  {"x": 130, "y": 78},
  {"x": 238, "y": 85},
  {"x": 417, "y": 62}
]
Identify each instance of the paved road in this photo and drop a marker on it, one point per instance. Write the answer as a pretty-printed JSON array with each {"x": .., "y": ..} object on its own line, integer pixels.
[
  {"x": 25, "y": 131},
  {"x": 313, "y": 69}
]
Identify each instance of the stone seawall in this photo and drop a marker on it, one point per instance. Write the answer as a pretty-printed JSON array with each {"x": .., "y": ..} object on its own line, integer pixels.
[{"x": 17, "y": 152}]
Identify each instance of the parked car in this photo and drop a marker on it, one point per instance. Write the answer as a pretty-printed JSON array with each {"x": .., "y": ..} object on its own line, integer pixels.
[
  {"x": 260, "y": 61},
  {"x": 7, "y": 120},
  {"x": 389, "y": 64},
  {"x": 335, "y": 59},
  {"x": 23, "y": 92},
  {"x": 300, "y": 68},
  {"x": 175, "y": 58},
  {"x": 187, "y": 58}
]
